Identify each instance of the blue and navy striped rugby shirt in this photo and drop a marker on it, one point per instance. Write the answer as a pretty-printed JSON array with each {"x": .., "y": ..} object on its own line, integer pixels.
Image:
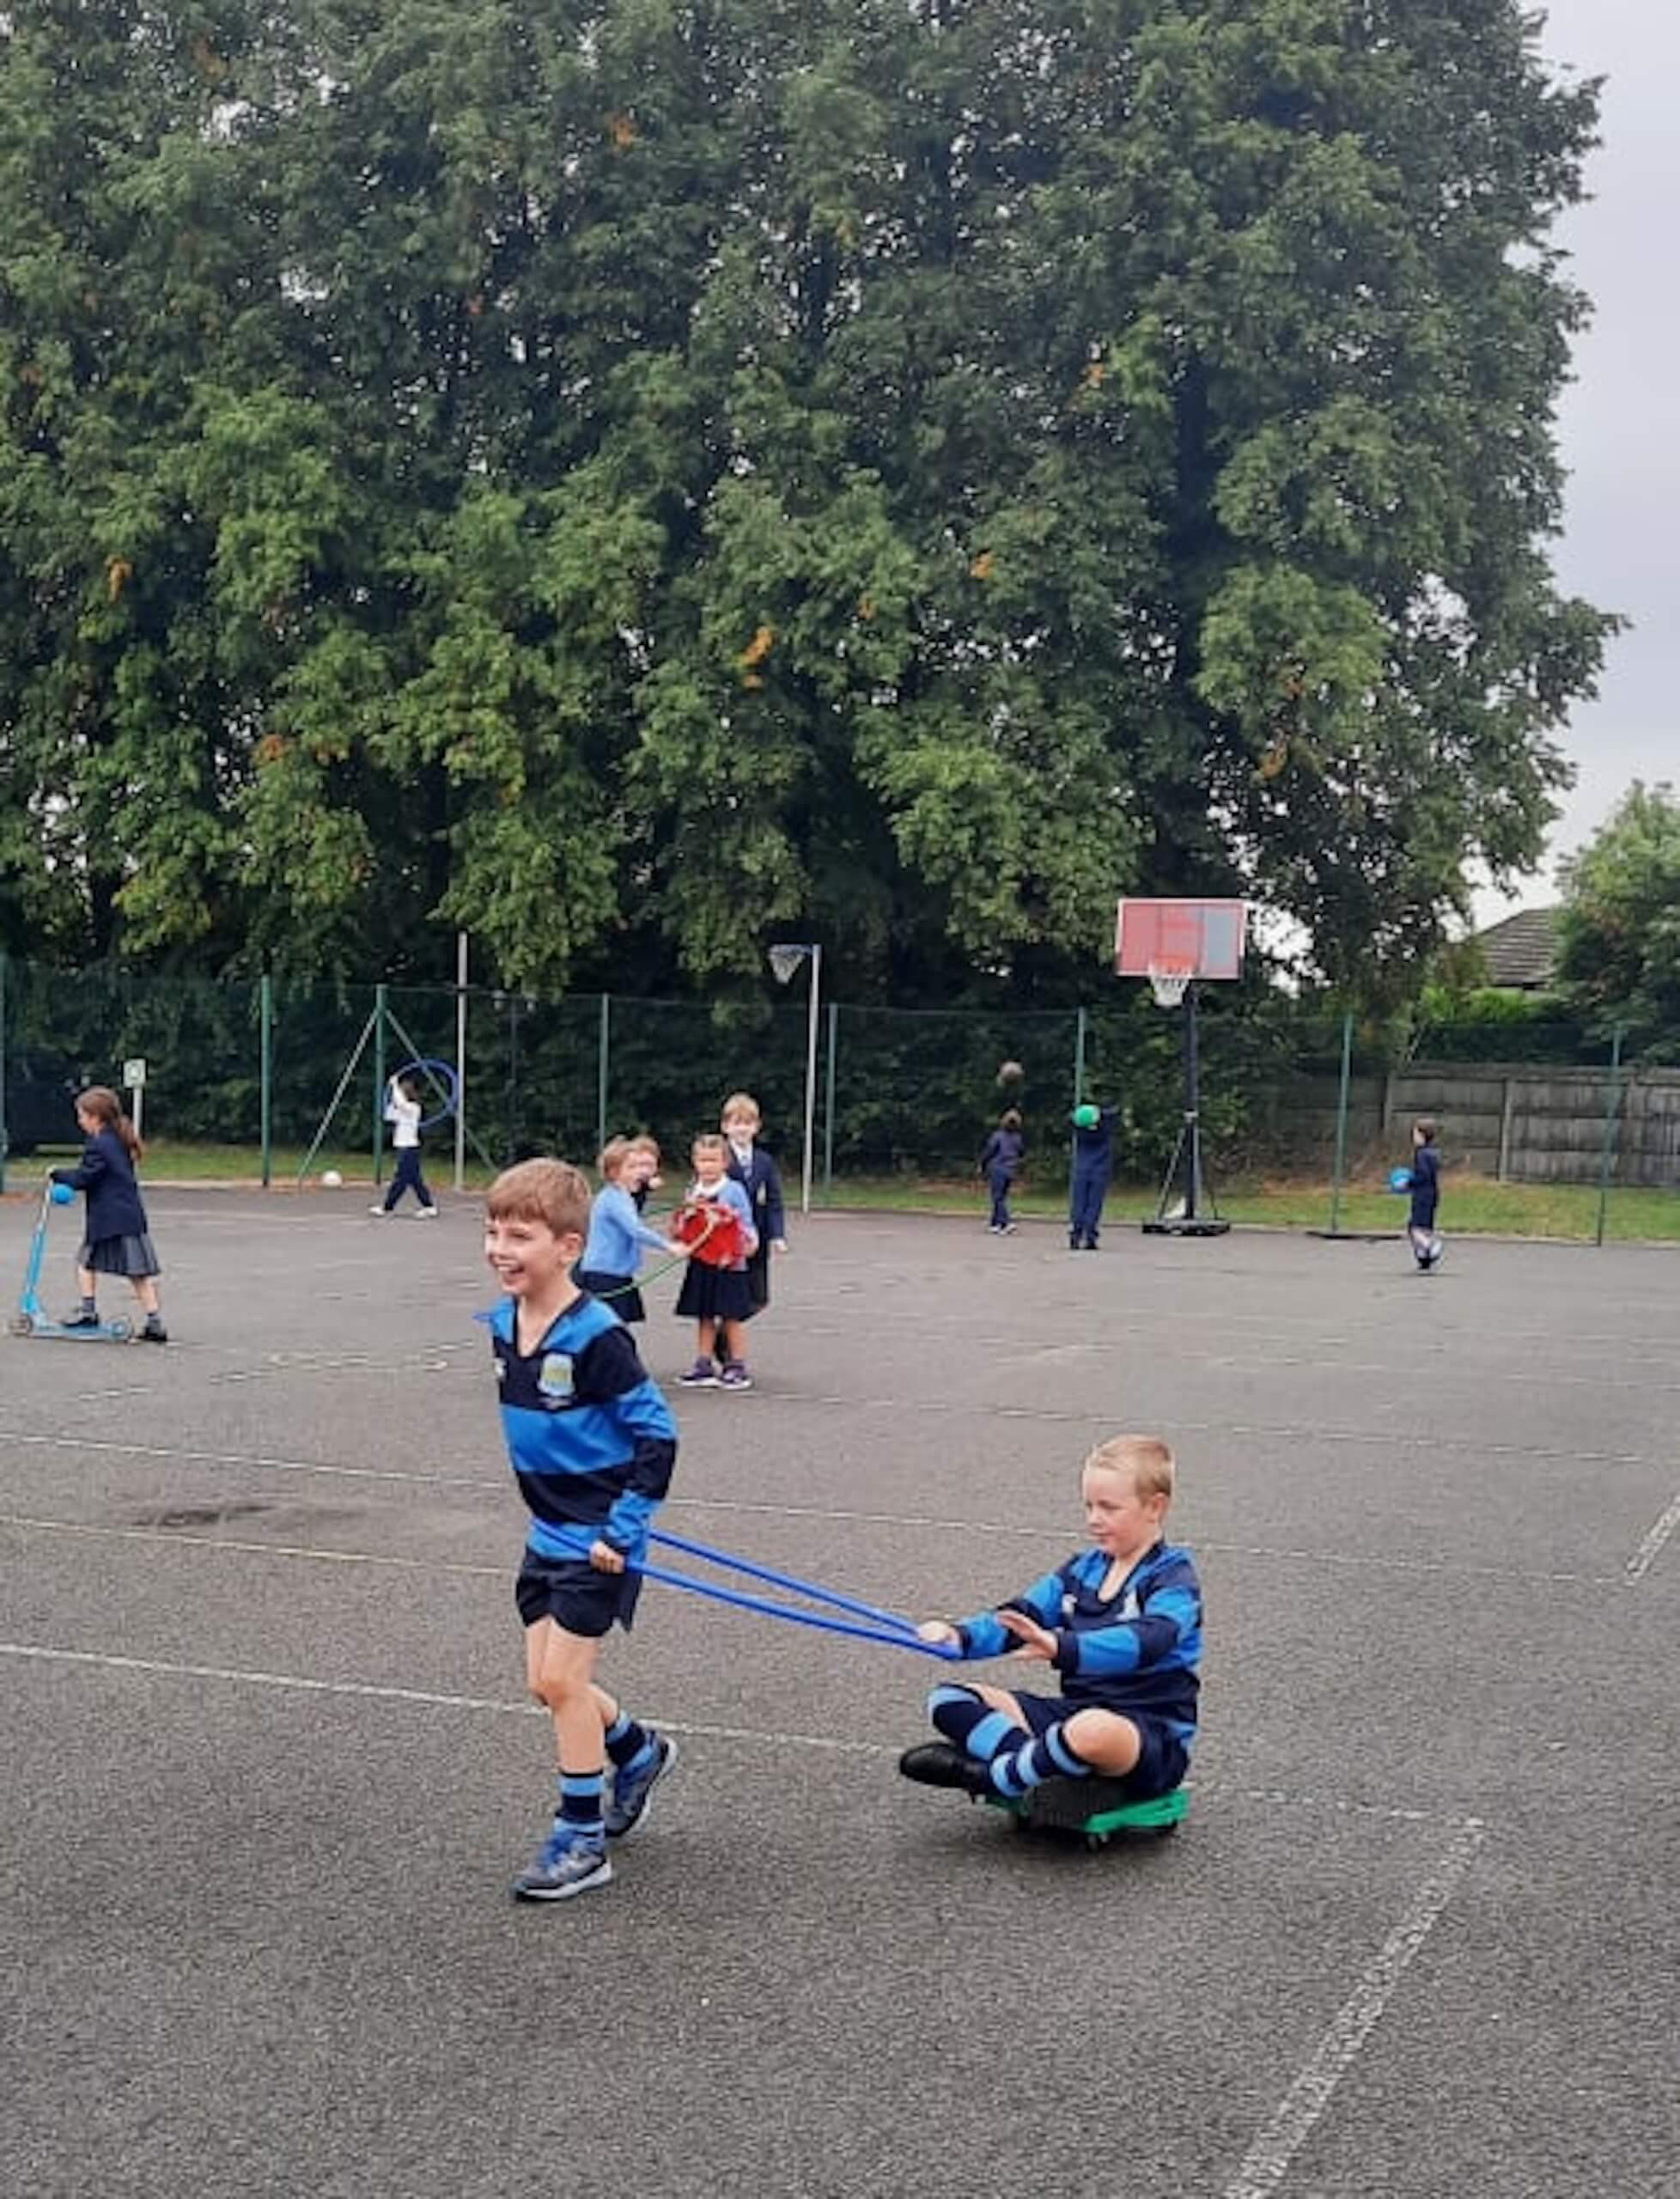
[
  {"x": 1137, "y": 1650},
  {"x": 591, "y": 1440}
]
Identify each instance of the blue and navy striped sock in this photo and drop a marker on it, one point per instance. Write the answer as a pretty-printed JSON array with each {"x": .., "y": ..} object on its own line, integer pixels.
[
  {"x": 970, "y": 1724},
  {"x": 580, "y": 1809},
  {"x": 630, "y": 1745},
  {"x": 1049, "y": 1757}
]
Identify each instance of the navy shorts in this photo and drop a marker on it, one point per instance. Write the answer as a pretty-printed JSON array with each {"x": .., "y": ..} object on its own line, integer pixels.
[
  {"x": 578, "y": 1597},
  {"x": 1162, "y": 1761}
]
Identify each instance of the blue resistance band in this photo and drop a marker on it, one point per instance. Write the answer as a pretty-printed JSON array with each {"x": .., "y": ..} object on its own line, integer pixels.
[{"x": 898, "y": 1633}]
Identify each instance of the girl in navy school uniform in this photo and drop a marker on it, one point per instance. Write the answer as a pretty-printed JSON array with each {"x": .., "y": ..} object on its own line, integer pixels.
[{"x": 115, "y": 1238}]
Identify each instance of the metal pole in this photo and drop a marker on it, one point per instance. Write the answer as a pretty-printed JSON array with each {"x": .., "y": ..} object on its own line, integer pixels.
[
  {"x": 379, "y": 1084},
  {"x": 4, "y": 1140},
  {"x": 603, "y": 1056},
  {"x": 1078, "y": 1059},
  {"x": 1612, "y": 1103},
  {"x": 1341, "y": 1122},
  {"x": 811, "y": 1082},
  {"x": 265, "y": 1073},
  {"x": 510, "y": 1133},
  {"x": 1192, "y": 1107},
  {"x": 828, "y": 1098},
  {"x": 460, "y": 1060}
]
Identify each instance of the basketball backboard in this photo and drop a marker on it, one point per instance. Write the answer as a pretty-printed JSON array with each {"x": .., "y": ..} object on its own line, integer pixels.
[{"x": 1202, "y": 938}]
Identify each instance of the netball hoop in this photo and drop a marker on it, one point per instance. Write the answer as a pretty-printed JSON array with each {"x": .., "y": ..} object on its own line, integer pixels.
[{"x": 1175, "y": 945}]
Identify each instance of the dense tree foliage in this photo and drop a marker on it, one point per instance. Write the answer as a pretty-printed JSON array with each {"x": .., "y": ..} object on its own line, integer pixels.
[
  {"x": 634, "y": 477},
  {"x": 1619, "y": 960}
]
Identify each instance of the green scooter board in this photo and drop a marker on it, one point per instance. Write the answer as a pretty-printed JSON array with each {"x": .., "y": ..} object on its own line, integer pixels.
[{"x": 1092, "y": 1807}]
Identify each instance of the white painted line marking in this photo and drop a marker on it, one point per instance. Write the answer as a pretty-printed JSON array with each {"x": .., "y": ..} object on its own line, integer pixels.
[
  {"x": 41, "y": 1653},
  {"x": 23, "y": 1522},
  {"x": 1653, "y": 1546},
  {"x": 47, "y": 1654},
  {"x": 1267, "y": 2161}
]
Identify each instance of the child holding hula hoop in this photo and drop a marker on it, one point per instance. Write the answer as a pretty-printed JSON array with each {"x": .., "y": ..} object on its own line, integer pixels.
[{"x": 401, "y": 1112}]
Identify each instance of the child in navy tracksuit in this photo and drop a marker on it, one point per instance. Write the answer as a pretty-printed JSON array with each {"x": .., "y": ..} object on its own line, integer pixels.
[
  {"x": 752, "y": 1168},
  {"x": 1426, "y": 1196},
  {"x": 116, "y": 1239},
  {"x": 1093, "y": 1163},
  {"x": 1000, "y": 1158},
  {"x": 1121, "y": 1622}
]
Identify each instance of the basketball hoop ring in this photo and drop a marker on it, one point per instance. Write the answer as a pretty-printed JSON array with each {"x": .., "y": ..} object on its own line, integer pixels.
[{"x": 1168, "y": 982}]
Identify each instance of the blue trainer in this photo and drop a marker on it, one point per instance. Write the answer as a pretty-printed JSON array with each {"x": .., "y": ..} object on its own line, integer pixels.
[
  {"x": 628, "y": 1807},
  {"x": 567, "y": 1866}
]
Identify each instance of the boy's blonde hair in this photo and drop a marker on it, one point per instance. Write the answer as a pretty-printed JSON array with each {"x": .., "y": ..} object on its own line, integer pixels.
[
  {"x": 552, "y": 1192},
  {"x": 740, "y": 1103},
  {"x": 1147, "y": 1460},
  {"x": 612, "y": 1158},
  {"x": 644, "y": 1142}
]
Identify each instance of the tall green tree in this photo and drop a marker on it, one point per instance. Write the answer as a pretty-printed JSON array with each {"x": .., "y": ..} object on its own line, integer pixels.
[
  {"x": 1619, "y": 931},
  {"x": 633, "y": 479}
]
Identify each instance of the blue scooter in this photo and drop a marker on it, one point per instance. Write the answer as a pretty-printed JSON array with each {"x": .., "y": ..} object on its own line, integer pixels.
[{"x": 31, "y": 1318}]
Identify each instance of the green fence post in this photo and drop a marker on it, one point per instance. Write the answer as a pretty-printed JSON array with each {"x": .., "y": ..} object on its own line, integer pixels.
[
  {"x": 379, "y": 1085},
  {"x": 603, "y": 1067},
  {"x": 1340, "y": 1163},
  {"x": 4, "y": 1138},
  {"x": 828, "y": 1100},
  {"x": 265, "y": 1057},
  {"x": 1612, "y": 1106}
]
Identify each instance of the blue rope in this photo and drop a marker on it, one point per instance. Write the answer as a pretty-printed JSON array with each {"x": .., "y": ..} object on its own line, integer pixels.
[
  {"x": 895, "y": 1632},
  {"x": 790, "y": 1581}
]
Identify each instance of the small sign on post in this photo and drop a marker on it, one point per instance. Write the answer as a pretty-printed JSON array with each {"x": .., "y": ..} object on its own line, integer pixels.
[{"x": 134, "y": 1076}]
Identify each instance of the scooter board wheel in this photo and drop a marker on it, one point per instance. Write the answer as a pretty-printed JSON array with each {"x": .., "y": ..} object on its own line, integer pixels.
[
  {"x": 23, "y": 1325},
  {"x": 121, "y": 1330},
  {"x": 1094, "y": 1807}
]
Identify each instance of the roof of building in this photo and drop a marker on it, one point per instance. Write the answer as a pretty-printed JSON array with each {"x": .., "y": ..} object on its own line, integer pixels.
[{"x": 1521, "y": 951}]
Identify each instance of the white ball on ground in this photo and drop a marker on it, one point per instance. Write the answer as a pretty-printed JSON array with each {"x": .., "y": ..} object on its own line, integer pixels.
[{"x": 332, "y": 1178}]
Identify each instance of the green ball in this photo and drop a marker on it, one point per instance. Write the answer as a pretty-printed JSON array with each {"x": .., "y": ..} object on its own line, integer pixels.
[{"x": 1086, "y": 1118}]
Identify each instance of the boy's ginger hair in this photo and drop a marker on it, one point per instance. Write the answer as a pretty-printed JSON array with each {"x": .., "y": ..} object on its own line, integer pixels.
[
  {"x": 644, "y": 1142},
  {"x": 612, "y": 1158},
  {"x": 740, "y": 1103},
  {"x": 552, "y": 1192},
  {"x": 1147, "y": 1460}
]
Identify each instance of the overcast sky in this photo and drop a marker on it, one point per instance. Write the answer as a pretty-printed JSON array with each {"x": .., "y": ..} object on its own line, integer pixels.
[{"x": 1620, "y": 424}]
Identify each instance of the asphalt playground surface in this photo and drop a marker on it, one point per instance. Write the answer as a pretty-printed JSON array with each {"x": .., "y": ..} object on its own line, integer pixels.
[{"x": 267, "y": 1767}]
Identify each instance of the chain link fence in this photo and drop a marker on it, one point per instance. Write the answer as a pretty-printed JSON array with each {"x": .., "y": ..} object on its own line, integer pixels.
[{"x": 1299, "y": 1107}]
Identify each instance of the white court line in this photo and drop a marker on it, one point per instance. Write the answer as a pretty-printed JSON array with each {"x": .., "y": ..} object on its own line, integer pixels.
[
  {"x": 1653, "y": 1546},
  {"x": 48, "y": 1653},
  {"x": 1267, "y": 2161},
  {"x": 915, "y": 1522},
  {"x": 42, "y": 1653}
]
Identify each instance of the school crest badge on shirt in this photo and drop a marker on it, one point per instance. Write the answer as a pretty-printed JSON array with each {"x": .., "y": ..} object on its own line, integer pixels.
[{"x": 554, "y": 1383}]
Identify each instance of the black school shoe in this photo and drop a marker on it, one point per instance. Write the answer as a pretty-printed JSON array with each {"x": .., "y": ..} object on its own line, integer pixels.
[{"x": 936, "y": 1763}]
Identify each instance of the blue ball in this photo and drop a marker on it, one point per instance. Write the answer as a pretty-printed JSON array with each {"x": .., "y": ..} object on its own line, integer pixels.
[
  {"x": 1399, "y": 1180},
  {"x": 61, "y": 1195}
]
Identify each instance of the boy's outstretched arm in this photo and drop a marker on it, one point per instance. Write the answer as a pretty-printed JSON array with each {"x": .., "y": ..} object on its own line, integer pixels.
[
  {"x": 986, "y": 1635},
  {"x": 615, "y": 1376}
]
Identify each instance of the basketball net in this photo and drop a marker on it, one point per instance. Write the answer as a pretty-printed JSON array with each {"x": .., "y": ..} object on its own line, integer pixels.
[
  {"x": 784, "y": 960},
  {"x": 1168, "y": 983}
]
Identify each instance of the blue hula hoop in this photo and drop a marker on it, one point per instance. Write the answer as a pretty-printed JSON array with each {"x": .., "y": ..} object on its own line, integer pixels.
[
  {"x": 441, "y": 1073},
  {"x": 884, "y": 1626}
]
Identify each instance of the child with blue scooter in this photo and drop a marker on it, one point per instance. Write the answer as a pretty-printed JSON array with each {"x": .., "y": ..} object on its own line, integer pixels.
[{"x": 115, "y": 1236}]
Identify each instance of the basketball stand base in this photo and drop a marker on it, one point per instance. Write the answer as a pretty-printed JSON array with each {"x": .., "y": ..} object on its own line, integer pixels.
[{"x": 1195, "y": 1224}]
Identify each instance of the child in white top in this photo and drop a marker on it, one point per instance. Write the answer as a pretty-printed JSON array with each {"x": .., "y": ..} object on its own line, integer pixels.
[{"x": 401, "y": 1112}]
